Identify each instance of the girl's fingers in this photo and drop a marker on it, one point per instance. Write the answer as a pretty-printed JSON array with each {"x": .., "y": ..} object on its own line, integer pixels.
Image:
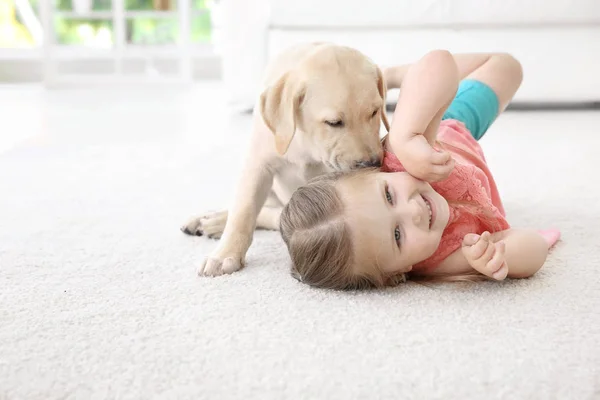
[
  {"x": 478, "y": 250},
  {"x": 440, "y": 172},
  {"x": 502, "y": 272},
  {"x": 489, "y": 253},
  {"x": 470, "y": 239},
  {"x": 497, "y": 260},
  {"x": 443, "y": 168},
  {"x": 440, "y": 158}
]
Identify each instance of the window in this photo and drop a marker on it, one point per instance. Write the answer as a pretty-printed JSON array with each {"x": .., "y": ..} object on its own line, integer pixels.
[{"x": 124, "y": 38}]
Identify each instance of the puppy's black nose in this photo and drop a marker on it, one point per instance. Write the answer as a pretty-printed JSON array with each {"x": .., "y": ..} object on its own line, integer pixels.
[
  {"x": 372, "y": 163},
  {"x": 376, "y": 161}
]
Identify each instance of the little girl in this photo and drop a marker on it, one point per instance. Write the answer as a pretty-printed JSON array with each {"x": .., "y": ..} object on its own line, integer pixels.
[{"x": 375, "y": 228}]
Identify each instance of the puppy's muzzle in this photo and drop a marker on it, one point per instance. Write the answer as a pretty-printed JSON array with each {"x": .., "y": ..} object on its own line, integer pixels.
[{"x": 374, "y": 162}]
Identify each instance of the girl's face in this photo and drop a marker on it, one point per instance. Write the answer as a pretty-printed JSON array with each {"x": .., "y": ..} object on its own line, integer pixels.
[{"x": 394, "y": 218}]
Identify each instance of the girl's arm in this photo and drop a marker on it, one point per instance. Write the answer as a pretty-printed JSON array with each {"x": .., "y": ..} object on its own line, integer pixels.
[
  {"x": 465, "y": 62},
  {"x": 428, "y": 88},
  {"x": 500, "y": 71},
  {"x": 516, "y": 253}
]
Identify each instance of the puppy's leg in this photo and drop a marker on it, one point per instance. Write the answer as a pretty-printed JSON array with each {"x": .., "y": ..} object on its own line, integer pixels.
[
  {"x": 253, "y": 188},
  {"x": 212, "y": 224},
  {"x": 269, "y": 218}
]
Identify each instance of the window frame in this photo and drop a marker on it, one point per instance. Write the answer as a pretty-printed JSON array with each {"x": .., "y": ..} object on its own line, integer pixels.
[{"x": 197, "y": 61}]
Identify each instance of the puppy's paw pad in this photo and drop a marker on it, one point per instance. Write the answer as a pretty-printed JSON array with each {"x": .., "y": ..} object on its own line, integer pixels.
[
  {"x": 187, "y": 231},
  {"x": 210, "y": 224},
  {"x": 192, "y": 227}
]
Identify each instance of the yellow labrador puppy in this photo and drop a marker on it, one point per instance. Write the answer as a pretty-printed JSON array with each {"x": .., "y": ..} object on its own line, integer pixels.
[{"x": 320, "y": 111}]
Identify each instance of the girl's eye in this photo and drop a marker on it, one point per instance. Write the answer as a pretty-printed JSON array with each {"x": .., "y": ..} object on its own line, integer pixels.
[
  {"x": 374, "y": 113},
  {"x": 388, "y": 196},
  {"x": 397, "y": 235}
]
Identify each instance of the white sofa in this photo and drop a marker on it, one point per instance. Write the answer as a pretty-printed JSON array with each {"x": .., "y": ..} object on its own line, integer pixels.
[{"x": 557, "y": 41}]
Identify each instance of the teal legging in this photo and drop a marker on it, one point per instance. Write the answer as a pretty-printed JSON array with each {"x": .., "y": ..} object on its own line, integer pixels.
[{"x": 475, "y": 105}]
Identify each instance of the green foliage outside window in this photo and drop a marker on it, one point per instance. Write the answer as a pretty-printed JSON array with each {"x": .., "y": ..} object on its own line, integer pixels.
[{"x": 142, "y": 30}]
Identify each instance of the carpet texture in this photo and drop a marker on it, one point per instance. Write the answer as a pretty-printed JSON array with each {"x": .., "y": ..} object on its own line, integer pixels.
[{"x": 99, "y": 298}]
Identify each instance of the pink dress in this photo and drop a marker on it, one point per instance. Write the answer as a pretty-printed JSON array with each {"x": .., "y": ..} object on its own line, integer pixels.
[{"x": 470, "y": 190}]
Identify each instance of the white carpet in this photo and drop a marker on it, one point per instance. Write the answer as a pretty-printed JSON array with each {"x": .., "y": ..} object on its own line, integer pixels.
[{"x": 99, "y": 297}]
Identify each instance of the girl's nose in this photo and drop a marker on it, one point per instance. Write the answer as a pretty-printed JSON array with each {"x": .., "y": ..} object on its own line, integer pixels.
[
  {"x": 417, "y": 219},
  {"x": 417, "y": 213},
  {"x": 411, "y": 211}
]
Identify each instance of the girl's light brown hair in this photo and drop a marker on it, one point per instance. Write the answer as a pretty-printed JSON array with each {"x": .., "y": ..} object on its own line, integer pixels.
[{"x": 318, "y": 237}]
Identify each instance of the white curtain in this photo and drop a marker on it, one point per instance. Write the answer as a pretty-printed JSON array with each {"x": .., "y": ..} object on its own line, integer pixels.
[{"x": 244, "y": 49}]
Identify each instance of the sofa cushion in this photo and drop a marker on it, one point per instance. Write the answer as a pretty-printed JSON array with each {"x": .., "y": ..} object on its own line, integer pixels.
[{"x": 426, "y": 13}]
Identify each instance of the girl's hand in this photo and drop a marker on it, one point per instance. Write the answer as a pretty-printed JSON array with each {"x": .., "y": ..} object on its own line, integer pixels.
[
  {"x": 485, "y": 256},
  {"x": 424, "y": 162}
]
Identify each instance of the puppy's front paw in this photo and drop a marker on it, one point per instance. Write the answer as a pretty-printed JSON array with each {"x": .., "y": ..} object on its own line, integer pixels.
[
  {"x": 216, "y": 266},
  {"x": 210, "y": 224}
]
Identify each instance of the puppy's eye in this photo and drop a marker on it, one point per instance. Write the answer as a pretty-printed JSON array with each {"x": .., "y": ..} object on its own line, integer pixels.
[
  {"x": 374, "y": 113},
  {"x": 338, "y": 123}
]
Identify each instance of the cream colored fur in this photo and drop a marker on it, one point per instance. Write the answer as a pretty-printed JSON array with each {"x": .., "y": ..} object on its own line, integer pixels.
[{"x": 321, "y": 110}]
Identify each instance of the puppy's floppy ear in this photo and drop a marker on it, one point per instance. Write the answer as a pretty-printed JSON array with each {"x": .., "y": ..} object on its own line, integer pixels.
[
  {"x": 279, "y": 107},
  {"x": 382, "y": 87}
]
